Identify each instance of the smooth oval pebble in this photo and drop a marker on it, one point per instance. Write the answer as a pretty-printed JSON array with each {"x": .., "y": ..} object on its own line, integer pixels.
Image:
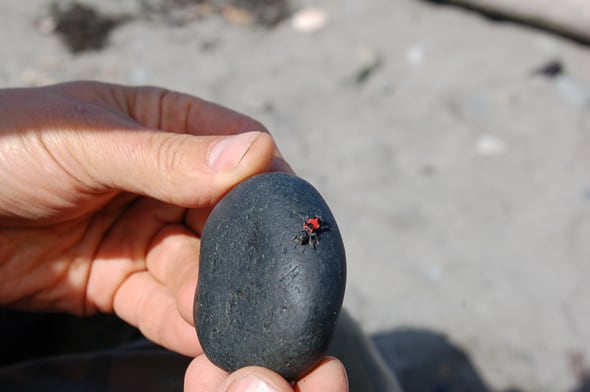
[{"x": 263, "y": 297}]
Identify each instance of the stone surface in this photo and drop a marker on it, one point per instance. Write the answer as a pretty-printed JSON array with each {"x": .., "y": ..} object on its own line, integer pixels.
[{"x": 263, "y": 297}]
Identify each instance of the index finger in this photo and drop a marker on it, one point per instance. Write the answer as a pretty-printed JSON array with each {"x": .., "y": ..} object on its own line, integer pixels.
[
  {"x": 177, "y": 112},
  {"x": 182, "y": 113},
  {"x": 162, "y": 109},
  {"x": 170, "y": 111}
]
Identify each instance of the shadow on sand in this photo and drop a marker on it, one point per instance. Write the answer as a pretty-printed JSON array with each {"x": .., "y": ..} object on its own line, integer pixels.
[{"x": 426, "y": 361}]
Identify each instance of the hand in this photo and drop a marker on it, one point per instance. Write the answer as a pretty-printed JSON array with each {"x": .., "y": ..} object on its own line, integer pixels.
[{"x": 104, "y": 190}]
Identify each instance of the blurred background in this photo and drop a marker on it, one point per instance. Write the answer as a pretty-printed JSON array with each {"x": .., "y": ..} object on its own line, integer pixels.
[{"x": 453, "y": 147}]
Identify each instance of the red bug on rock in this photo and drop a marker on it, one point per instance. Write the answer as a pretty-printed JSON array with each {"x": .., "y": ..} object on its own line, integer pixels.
[{"x": 312, "y": 227}]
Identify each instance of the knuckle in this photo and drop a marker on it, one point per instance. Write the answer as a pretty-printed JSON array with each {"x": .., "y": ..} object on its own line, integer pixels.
[{"x": 169, "y": 155}]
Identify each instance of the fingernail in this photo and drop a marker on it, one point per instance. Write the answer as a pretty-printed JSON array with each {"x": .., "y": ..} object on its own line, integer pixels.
[
  {"x": 229, "y": 151},
  {"x": 249, "y": 383}
]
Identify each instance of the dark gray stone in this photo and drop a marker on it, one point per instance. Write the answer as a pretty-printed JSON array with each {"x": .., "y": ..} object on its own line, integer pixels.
[{"x": 263, "y": 297}]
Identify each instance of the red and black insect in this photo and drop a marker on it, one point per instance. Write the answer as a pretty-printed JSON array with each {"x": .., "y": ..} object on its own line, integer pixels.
[{"x": 310, "y": 234}]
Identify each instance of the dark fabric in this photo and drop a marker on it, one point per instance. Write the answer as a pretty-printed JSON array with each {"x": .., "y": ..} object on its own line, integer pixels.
[
  {"x": 120, "y": 370},
  {"x": 26, "y": 336},
  {"x": 58, "y": 352},
  {"x": 51, "y": 352}
]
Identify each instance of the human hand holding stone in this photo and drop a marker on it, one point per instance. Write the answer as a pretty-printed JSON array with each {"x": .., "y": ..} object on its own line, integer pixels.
[{"x": 103, "y": 192}]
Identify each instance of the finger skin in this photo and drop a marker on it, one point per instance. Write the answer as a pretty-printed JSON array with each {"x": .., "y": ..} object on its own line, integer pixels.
[
  {"x": 328, "y": 376},
  {"x": 203, "y": 376}
]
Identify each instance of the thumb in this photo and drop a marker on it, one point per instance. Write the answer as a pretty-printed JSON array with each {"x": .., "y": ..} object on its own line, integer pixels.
[{"x": 181, "y": 169}]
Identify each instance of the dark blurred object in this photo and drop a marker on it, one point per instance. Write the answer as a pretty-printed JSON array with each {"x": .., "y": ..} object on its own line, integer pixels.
[
  {"x": 368, "y": 69},
  {"x": 143, "y": 369},
  {"x": 265, "y": 13},
  {"x": 82, "y": 28},
  {"x": 584, "y": 387},
  {"x": 579, "y": 369},
  {"x": 425, "y": 361},
  {"x": 366, "y": 369},
  {"x": 551, "y": 70},
  {"x": 58, "y": 352},
  {"x": 570, "y": 23},
  {"x": 27, "y": 336},
  {"x": 61, "y": 352}
]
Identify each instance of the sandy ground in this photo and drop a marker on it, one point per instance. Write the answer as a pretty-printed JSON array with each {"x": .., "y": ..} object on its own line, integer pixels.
[{"x": 460, "y": 180}]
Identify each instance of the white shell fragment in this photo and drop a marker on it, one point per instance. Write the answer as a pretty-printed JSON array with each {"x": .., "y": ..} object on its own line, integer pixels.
[
  {"x": 309, "y": 20},
  {"x": 489, "y": 145},
  {"x": 415, "y": 55}
]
